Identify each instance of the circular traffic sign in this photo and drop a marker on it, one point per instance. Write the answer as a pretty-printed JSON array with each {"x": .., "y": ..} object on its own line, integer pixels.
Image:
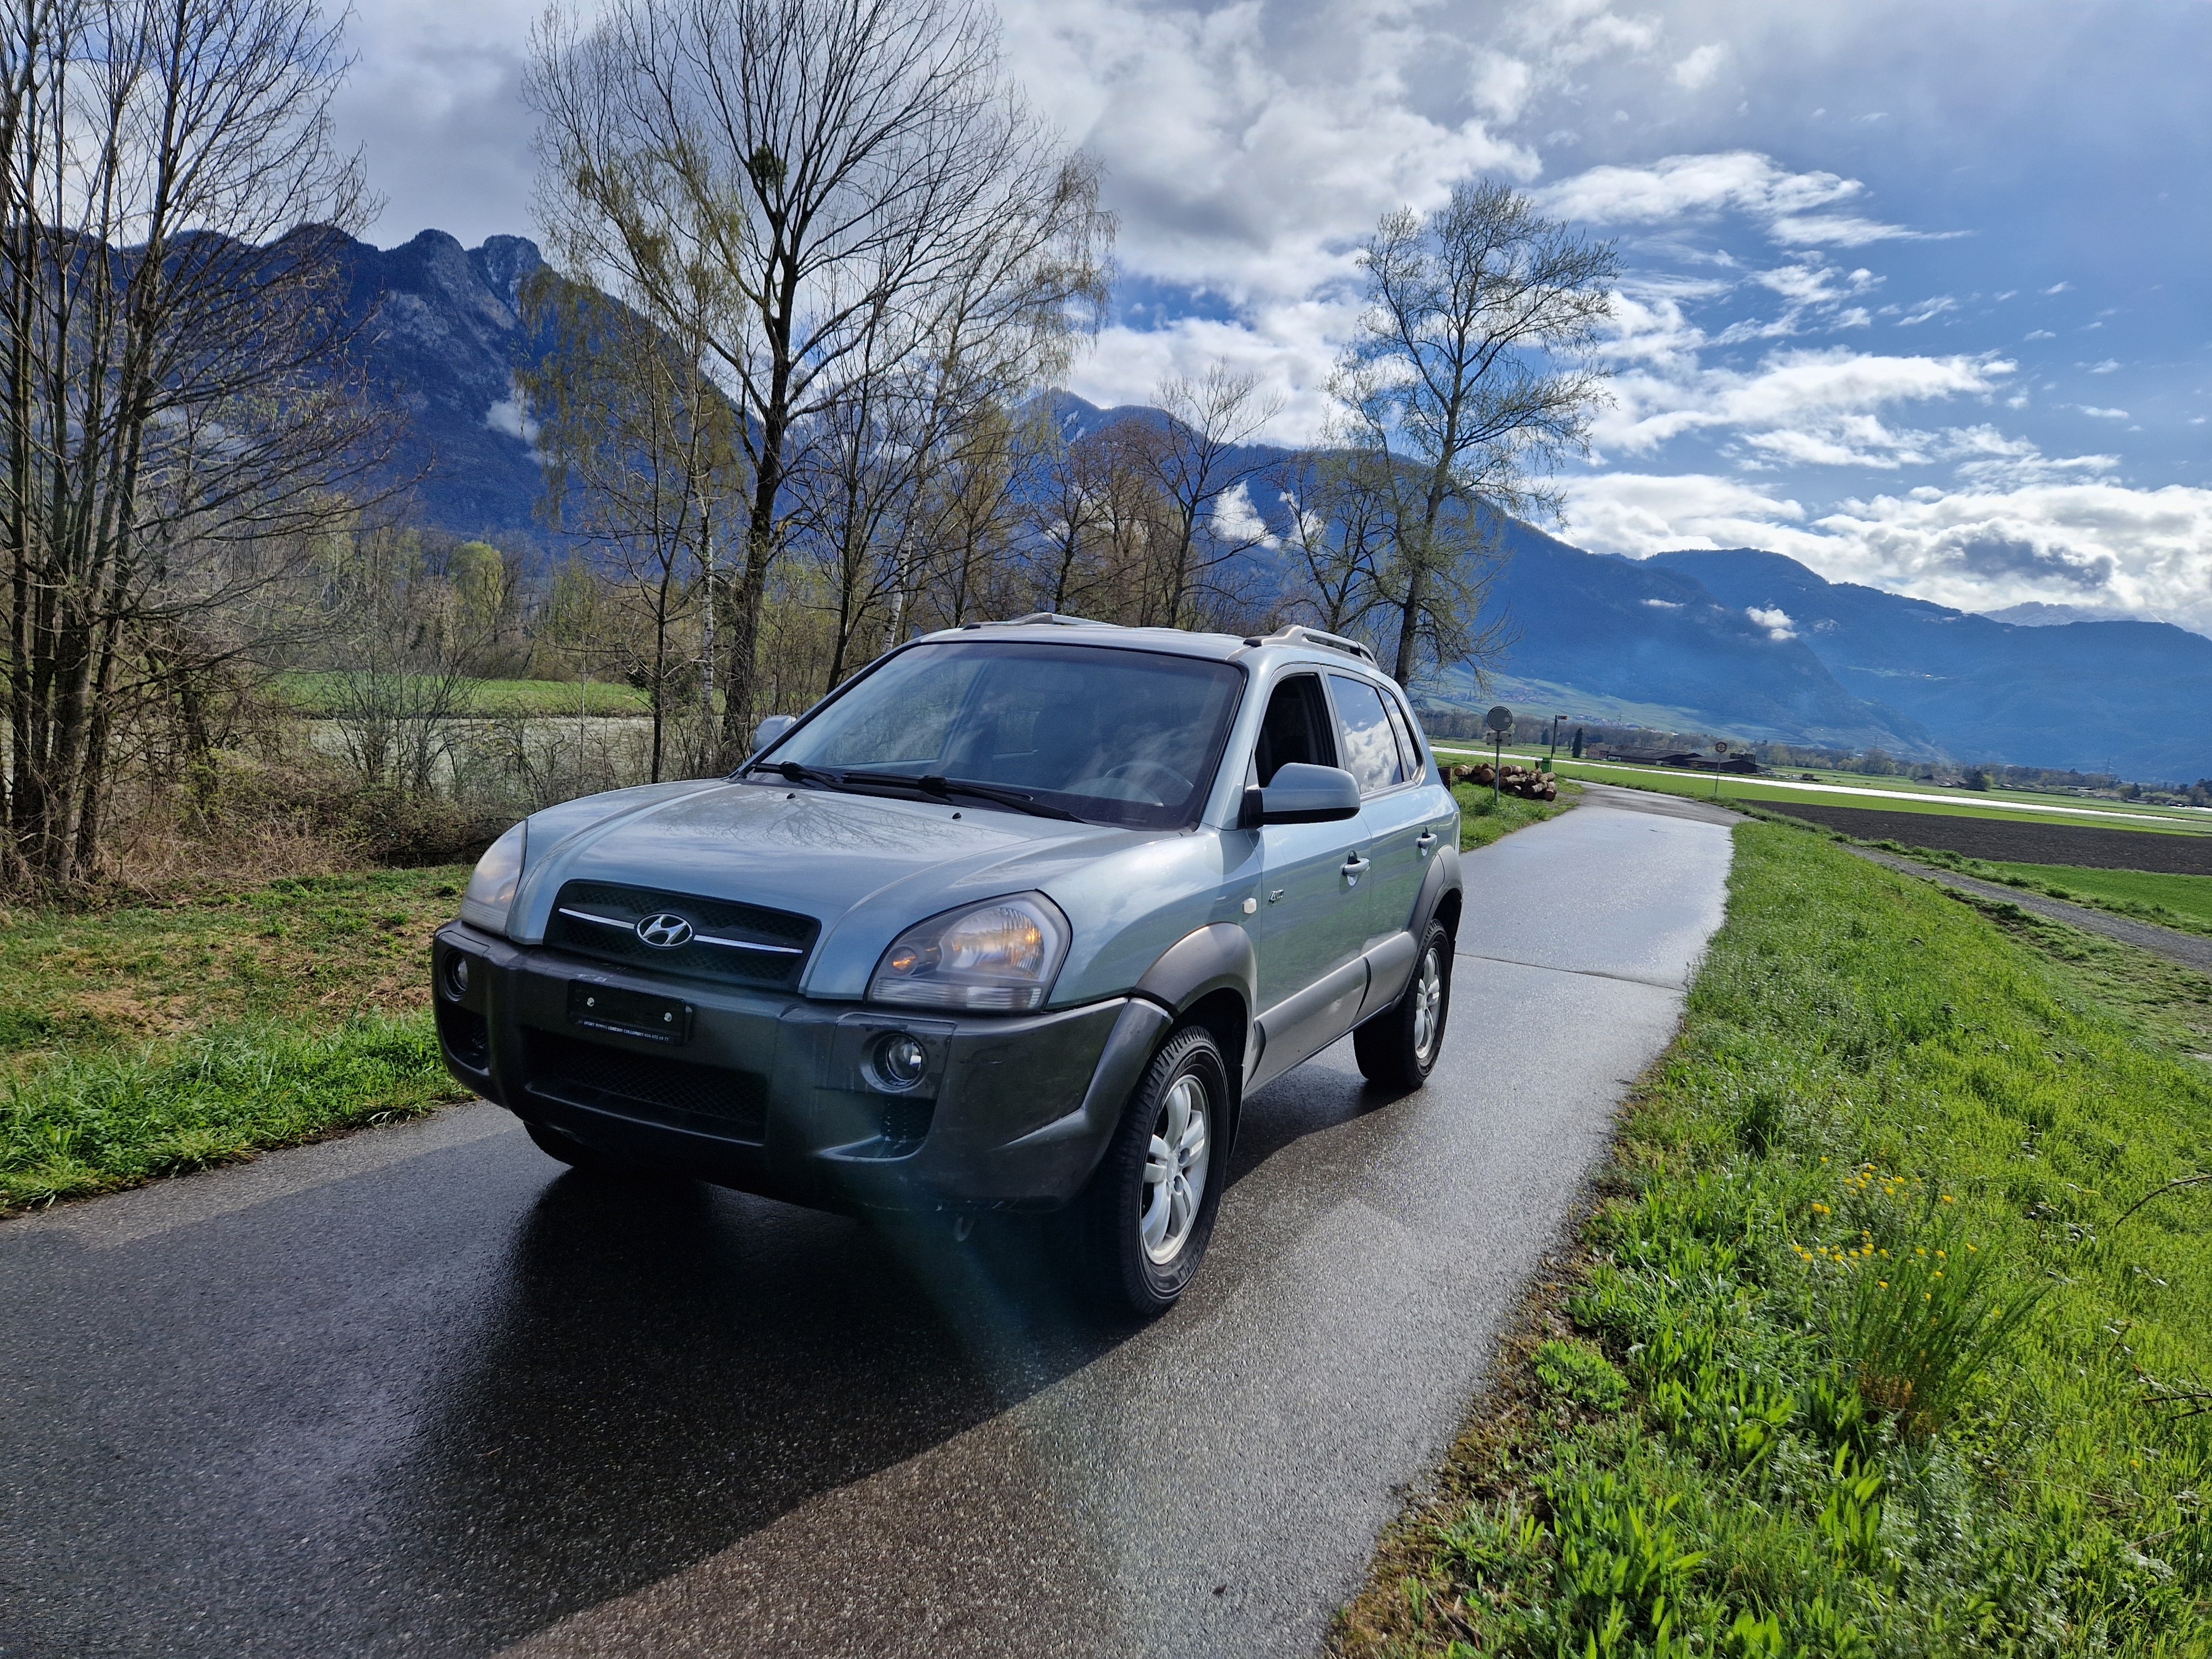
[{"x": 1499, "y": 720}]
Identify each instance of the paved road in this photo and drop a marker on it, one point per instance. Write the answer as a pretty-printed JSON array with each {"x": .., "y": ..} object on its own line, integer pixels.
[
  {"x": 415, "y": 1392},
  {"x": 2190, "y": 950}
]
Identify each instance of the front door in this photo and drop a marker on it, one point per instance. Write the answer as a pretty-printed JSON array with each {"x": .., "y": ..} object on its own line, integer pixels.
[{"x": 1311, "y": 924}]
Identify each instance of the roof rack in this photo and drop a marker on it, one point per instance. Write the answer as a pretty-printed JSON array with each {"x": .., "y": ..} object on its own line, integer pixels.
[
  {"x": 1298, "y": 633},
  {"x": 1041, "y": 618}
]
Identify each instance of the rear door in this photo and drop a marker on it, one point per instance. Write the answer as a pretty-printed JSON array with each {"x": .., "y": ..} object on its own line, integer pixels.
[{"x": 1395, "y": 817}]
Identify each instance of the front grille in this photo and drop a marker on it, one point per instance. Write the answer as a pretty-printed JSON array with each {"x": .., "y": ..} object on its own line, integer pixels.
[
  {"x": 732, "y": 944},
  {"x": 649, "y": 1086}
]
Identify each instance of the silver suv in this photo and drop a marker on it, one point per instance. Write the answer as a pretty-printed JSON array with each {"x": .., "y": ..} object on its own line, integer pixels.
[{"x": 1016, "y": 919}]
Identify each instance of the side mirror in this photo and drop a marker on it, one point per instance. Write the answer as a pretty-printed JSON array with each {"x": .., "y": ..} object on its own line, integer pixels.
[
  {"x": 772, "y": 728},
  {"x": 1302, "y": 795}
]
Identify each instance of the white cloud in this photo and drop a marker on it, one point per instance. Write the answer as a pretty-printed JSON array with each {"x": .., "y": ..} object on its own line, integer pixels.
[
  {"x": 2145, "y": 552},
  {"x": 2103, "y": 414},
  {"x": 1775, "y": 620},
  {"x": 1811, "y": 406},
  {"x": 1698, "y": 70},
  {"x": 1677, "y": 187},
  {"x": 2104, "y": 368},
  {"x": 1241, "y": 521}
]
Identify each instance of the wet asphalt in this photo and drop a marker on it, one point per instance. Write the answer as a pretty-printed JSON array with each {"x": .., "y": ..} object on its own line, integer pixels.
[{"x": 418, "y": 1391}]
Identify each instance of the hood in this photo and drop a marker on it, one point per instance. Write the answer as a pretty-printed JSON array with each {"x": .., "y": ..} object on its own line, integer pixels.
[{"x": 865, "y": 866}]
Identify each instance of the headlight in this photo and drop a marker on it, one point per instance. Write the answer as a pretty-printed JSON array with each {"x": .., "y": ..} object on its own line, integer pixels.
[
  {"x": 491, "y": 887},
  {"x": 998, "y": 957}
]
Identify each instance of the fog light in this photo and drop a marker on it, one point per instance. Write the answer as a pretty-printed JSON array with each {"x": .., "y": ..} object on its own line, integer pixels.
[
  {"x": 900, "y": 1062},
  {"x": 457, "y": 976}
]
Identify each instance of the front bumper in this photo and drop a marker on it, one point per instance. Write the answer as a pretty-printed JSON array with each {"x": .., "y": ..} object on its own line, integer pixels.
[{"x": 772, "y": 1093}]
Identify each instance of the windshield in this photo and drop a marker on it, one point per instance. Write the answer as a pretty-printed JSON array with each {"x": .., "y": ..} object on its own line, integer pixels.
[{"x": 1113, "y": 736}]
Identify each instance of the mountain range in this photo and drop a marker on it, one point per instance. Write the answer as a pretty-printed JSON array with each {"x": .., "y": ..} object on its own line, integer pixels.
[{"x": 1733, "y": 641}]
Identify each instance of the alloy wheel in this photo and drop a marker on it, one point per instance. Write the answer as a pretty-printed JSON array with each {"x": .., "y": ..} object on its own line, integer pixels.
[
  {"x": 1175, "y": 1164},
  {"x": 1428, "y": 1005}
]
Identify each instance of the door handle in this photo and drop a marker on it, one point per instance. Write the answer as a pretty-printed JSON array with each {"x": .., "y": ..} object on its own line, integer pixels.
[
  {"x": 1354, "y": 865},
  {"x": 1426, "y": 842}
]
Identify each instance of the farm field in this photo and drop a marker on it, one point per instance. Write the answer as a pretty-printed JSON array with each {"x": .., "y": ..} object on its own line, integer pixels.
[
  {"x": 322, "y": 696},
  {"x": 2013, "y": 808},
  {"x": 2189, "y": 897}
]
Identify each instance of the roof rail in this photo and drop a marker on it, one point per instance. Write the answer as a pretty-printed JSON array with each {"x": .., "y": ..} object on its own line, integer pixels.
[
  {"x": 1041, "y": 618},
  {"x": 1298, "y": 633}
]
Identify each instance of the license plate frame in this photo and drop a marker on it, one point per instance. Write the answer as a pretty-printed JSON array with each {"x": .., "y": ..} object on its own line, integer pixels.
[{"x": 601, "y": 1008}]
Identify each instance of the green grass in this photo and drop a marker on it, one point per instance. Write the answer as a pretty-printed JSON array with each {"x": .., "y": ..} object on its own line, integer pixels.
[
  {"x": 323, "y": 694},
  {"x": 1903, "y": 1376},
  {"x": 108, "y": 1118},
  {"x": 2114, "y": 815},
  {"x": 2174, "y": 901},
  {"x": 148, "y": 1038},
  {"x": 1482, "y": 823}
]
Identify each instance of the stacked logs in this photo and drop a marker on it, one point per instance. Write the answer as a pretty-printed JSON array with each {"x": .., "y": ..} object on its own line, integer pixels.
[{"x": 1512, "y": 779}]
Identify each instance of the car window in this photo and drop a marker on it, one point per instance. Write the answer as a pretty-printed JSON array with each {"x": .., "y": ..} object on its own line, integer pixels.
[
  {"x": 1409, "y": 746},
  {"x": 1113, "y": 736},
  {"x": 1371, "y": 753},
  {"x": 1295, "y": 729}
]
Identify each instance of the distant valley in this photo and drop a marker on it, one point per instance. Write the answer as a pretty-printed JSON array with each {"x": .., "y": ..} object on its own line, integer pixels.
[{"x": 1670, "y": 642}]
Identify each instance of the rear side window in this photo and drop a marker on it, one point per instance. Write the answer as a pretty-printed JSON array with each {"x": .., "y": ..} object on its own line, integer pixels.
[
  {"x": 1294, "y": 729},
  {"x": 1371, "y": 751},
  {"x": 1409, "y": 746}
]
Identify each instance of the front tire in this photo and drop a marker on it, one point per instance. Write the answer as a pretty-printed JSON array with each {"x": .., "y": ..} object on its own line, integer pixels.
[
  {"x": 1398, "y": 1048},
  {"x": 1143, "y": 1222}
]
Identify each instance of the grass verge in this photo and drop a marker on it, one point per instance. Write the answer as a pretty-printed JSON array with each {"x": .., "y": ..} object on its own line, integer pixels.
[
  {"x": 1483, "y": 821},
  {"x": 1866, "y": 1349},
  {"x": 90, "y": 1123},
  {"x": 149, "y": 1038}
]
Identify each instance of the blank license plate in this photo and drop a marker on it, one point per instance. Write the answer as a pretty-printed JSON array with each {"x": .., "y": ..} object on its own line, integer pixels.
[{"x": 610, "y": 1008}]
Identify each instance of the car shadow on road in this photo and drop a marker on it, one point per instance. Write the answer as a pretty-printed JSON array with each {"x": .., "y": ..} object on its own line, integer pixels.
[
  {"x": 665, "y": 1368},
  {"x": 670, "y": 1368}
]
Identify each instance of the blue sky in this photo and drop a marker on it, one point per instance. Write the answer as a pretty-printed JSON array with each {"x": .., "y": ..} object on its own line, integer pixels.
[{"x": 1918, "y": 295}]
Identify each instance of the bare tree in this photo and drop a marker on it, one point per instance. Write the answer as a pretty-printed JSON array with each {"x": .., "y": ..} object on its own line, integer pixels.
[
  {"x": 1198, "y": 461},
  {"x": 1472, "y": 365},
  {"x": 1343, "y": 523},
  {"x": 802, "y": 180},
  {"x": 642, "y": 463},
  {"x": 172, "y": 212}
]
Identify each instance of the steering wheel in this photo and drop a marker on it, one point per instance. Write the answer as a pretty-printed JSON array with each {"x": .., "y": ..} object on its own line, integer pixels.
[{"x": 1174, "y": 787}]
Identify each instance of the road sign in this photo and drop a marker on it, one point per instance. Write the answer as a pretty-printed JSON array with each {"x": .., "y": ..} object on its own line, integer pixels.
[
  {"x": 1499, "y": 720},
  {"x": 1721, "y": 748}
]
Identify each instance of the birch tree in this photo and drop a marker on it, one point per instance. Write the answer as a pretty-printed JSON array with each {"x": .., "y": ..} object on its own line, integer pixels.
[
  {"x": 173, "y": 411},
  {"x": 804, "y": 181},
  {"x": 1471, "y": 376}
]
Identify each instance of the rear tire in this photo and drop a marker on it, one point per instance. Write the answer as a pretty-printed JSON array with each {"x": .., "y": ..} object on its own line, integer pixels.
[
  {"x": 1398, "y": 1048},
  {"x": 1142, "y": 1224}
]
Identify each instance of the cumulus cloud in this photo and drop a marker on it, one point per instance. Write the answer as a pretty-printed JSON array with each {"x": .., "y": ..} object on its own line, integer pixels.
[
  {"x": 1793, "y": 207},
  {"x": 1815, "y": 406},
  {"x": 1776, "y": 620},
  {"x": 2142, "y": 552},
  {"x": 1699, "y": 69}
]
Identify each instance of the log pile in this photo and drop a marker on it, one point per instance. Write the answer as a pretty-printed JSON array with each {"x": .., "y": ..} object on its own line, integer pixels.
[{"x": 1512, "y": 779}]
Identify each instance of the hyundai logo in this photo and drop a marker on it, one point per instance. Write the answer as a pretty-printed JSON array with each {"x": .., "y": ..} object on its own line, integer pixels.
[{"x": 664, "y": 931}]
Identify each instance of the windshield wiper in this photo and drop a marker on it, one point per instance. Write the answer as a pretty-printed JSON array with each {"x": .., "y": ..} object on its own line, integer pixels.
[
  {"x": 929, "y": 784},
  {"x": 1008, "y": 798}
]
